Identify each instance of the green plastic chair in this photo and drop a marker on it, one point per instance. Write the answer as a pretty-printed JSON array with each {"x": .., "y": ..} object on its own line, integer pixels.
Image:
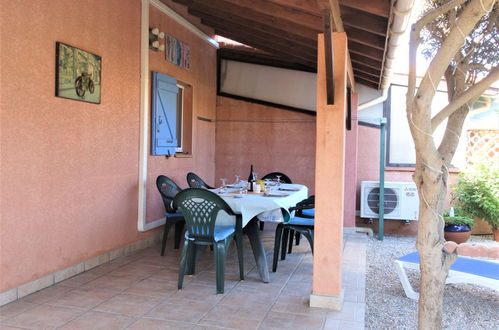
[
  {"x": 168, "y": 189},
  {"x": 200, "y": 208},
  {"x": 273, "y": 176},
  {"x": 298, "y": 224},
  {"x": 194, "y": 181}
]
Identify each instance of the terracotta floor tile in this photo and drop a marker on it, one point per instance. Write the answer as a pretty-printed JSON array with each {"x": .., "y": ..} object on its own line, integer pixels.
[
  {"x": 277, "y": 320},
  {"x": 78, "y": 280},
  {"x": 115, "y": 283},
  {"x": 6, "y": 327},
  {"x": 128, "y": 304},
  {"x": 153, "y": 288},
  {"x": 83, "y": 298},
  {"x": 104, "y": 269},
  {"x": 97, "y": 320},
  {"x": 14, "y": 308},
  {"x": 237, "y": 317},
  {"x": 44, "y": 317},
  {"x": 45, "y": 295},
  {"x": 152, "y": 324},
  {"x": 139, "y": 291},
  {"x": 181, "y": 310},
  {"x": 193, "y": 291},
  {"x": 294, "y": 307}
]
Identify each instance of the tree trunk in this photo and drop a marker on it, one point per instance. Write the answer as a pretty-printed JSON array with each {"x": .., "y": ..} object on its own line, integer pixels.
[{"x": 435, "y": 262}]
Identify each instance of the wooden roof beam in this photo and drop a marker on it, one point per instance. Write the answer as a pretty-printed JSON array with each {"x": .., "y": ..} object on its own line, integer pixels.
[
  {"x": 364, "y": 21},
  {"x": 308, "y": 6},
  {"x": 265, "y": 45},
  {"x": 365, "y": 38},
  {"x": 250, "y": 25},
  {"x": 366, "y": 82},
  {"x": 285, "y": 12},
  {"x": 367, "y": 69},
  {"x": 367, "y": 77},
  {"x": 238, "y": 32},
  {"x": 372, "y": 63},
  {"x": 379, "y": 8},
  {"x": 228, "y": 8},
  {"x": 365, "y": 51}
]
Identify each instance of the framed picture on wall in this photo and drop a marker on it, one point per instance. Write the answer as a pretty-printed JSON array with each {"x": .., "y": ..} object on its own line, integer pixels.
[{"x": 77, "y": 74}]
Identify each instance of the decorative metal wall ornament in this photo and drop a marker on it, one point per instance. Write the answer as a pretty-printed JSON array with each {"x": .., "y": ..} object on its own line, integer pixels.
[{"x": 77, "y": 74}]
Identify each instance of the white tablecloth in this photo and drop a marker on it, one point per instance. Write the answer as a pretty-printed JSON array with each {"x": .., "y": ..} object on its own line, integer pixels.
[{"x": 252, "y": 205}]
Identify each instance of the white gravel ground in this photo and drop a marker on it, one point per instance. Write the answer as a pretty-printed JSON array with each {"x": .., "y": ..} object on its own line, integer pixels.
[{"x": 466, "y": 306}]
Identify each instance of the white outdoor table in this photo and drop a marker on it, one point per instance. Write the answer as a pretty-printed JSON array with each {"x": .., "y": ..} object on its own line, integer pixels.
[{"x": 250, "y": 206}]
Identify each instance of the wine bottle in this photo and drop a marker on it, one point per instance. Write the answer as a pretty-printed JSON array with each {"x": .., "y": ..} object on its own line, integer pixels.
[{"x": 250, "y": 179}]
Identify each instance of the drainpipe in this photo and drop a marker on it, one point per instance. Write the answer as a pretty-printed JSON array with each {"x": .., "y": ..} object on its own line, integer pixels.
[
  {"x": 400, "y": 17},
  {"x": 381, "y": 214}
]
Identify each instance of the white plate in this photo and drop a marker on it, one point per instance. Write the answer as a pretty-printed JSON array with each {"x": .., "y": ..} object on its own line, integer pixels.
[{"x": 275, "y": 194}]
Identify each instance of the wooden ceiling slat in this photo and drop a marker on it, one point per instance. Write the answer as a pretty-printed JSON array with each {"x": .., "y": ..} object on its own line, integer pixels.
[
  {"x": 308, "y": 6},
  {"x": 358, "y": 73},
  {"x": 367, "y": 83},
  {"x": 279, "y": 11},
  {"x": 364, "y": 21},
  {"x": 266, "y": 46},
  {"x": 265, "y": 18},
  {"x": 251, "y": 26},
  {"x": 365, "y": 38},
  {"x": 365, "y": 51},
  {"x": 372, "y": 63},
  {"x": 261, "y": 38},
  {"x": 379, "y": 7},
  {"x": 366, "y": 77},
  {"x": 367, "y": 69}
]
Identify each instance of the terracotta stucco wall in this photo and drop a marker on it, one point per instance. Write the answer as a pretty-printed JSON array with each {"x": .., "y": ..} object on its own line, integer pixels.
[
  {"x": 271, "y": 139},
  {"x": 69, "y": 169},
  {"x": 202, "y": 77}
]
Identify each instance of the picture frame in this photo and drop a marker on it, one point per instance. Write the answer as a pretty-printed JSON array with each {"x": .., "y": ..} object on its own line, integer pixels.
[{"x": 77, "y": 74}]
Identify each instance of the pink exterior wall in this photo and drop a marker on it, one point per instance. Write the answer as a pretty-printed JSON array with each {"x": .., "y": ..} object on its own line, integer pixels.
[
  {"x": 271, "y": 139},
  {"x": 368, "y": 170},
  {"x": 202, "y": 77},
  {"x": 69, "y": 169}
]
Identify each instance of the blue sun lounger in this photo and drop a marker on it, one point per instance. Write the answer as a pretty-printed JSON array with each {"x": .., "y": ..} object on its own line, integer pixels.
[{"x": 464, "y": 270}]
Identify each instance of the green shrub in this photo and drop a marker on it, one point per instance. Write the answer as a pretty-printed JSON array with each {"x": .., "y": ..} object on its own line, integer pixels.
[
  {"x": 459, "y": 221},
  {"x": 477, "y": 194}
]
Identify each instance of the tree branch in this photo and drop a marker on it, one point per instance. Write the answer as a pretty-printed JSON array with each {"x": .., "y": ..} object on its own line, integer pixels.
[
  {"x": 470, "y": 93},
  {"x": 414, "y": 39},
  {"x": 452, "y": 43}
]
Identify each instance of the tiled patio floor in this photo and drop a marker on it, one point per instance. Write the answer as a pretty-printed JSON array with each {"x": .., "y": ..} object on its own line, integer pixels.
[{"x": 139, "y": 291}]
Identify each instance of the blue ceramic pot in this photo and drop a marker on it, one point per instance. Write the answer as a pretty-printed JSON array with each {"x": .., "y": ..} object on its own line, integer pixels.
[{"x": 457, "y": 228}]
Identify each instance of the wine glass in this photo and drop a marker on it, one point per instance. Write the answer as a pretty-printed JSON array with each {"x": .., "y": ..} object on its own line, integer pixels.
[
  {"x": 243, "y": 187},
  {"x": 278, "y": 180},
  {"x": 268, "y": 186},
  {"x": 238, "y": 178},
  {"x": 224, "y": 185}
]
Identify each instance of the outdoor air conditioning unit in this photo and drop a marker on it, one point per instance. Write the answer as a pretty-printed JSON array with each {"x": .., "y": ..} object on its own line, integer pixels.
[{"x": 401, "y": 200}]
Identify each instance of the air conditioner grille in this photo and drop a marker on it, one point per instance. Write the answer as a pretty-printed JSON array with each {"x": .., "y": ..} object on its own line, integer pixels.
[{"x": 391, "y": 200}]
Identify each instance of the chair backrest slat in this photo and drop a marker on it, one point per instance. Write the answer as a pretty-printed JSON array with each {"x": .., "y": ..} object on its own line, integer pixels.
[
  {"x": 200, "y": 208},
  {"x": 195, "y": 181},
  {"x": 273, "y": 176}
]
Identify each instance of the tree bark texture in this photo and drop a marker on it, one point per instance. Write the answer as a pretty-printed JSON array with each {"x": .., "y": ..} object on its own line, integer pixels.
[{"x": 432, "y": 163}]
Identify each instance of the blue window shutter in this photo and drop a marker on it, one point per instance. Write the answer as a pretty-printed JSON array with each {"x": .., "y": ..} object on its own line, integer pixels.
[{"x": 164, "y": 114}]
